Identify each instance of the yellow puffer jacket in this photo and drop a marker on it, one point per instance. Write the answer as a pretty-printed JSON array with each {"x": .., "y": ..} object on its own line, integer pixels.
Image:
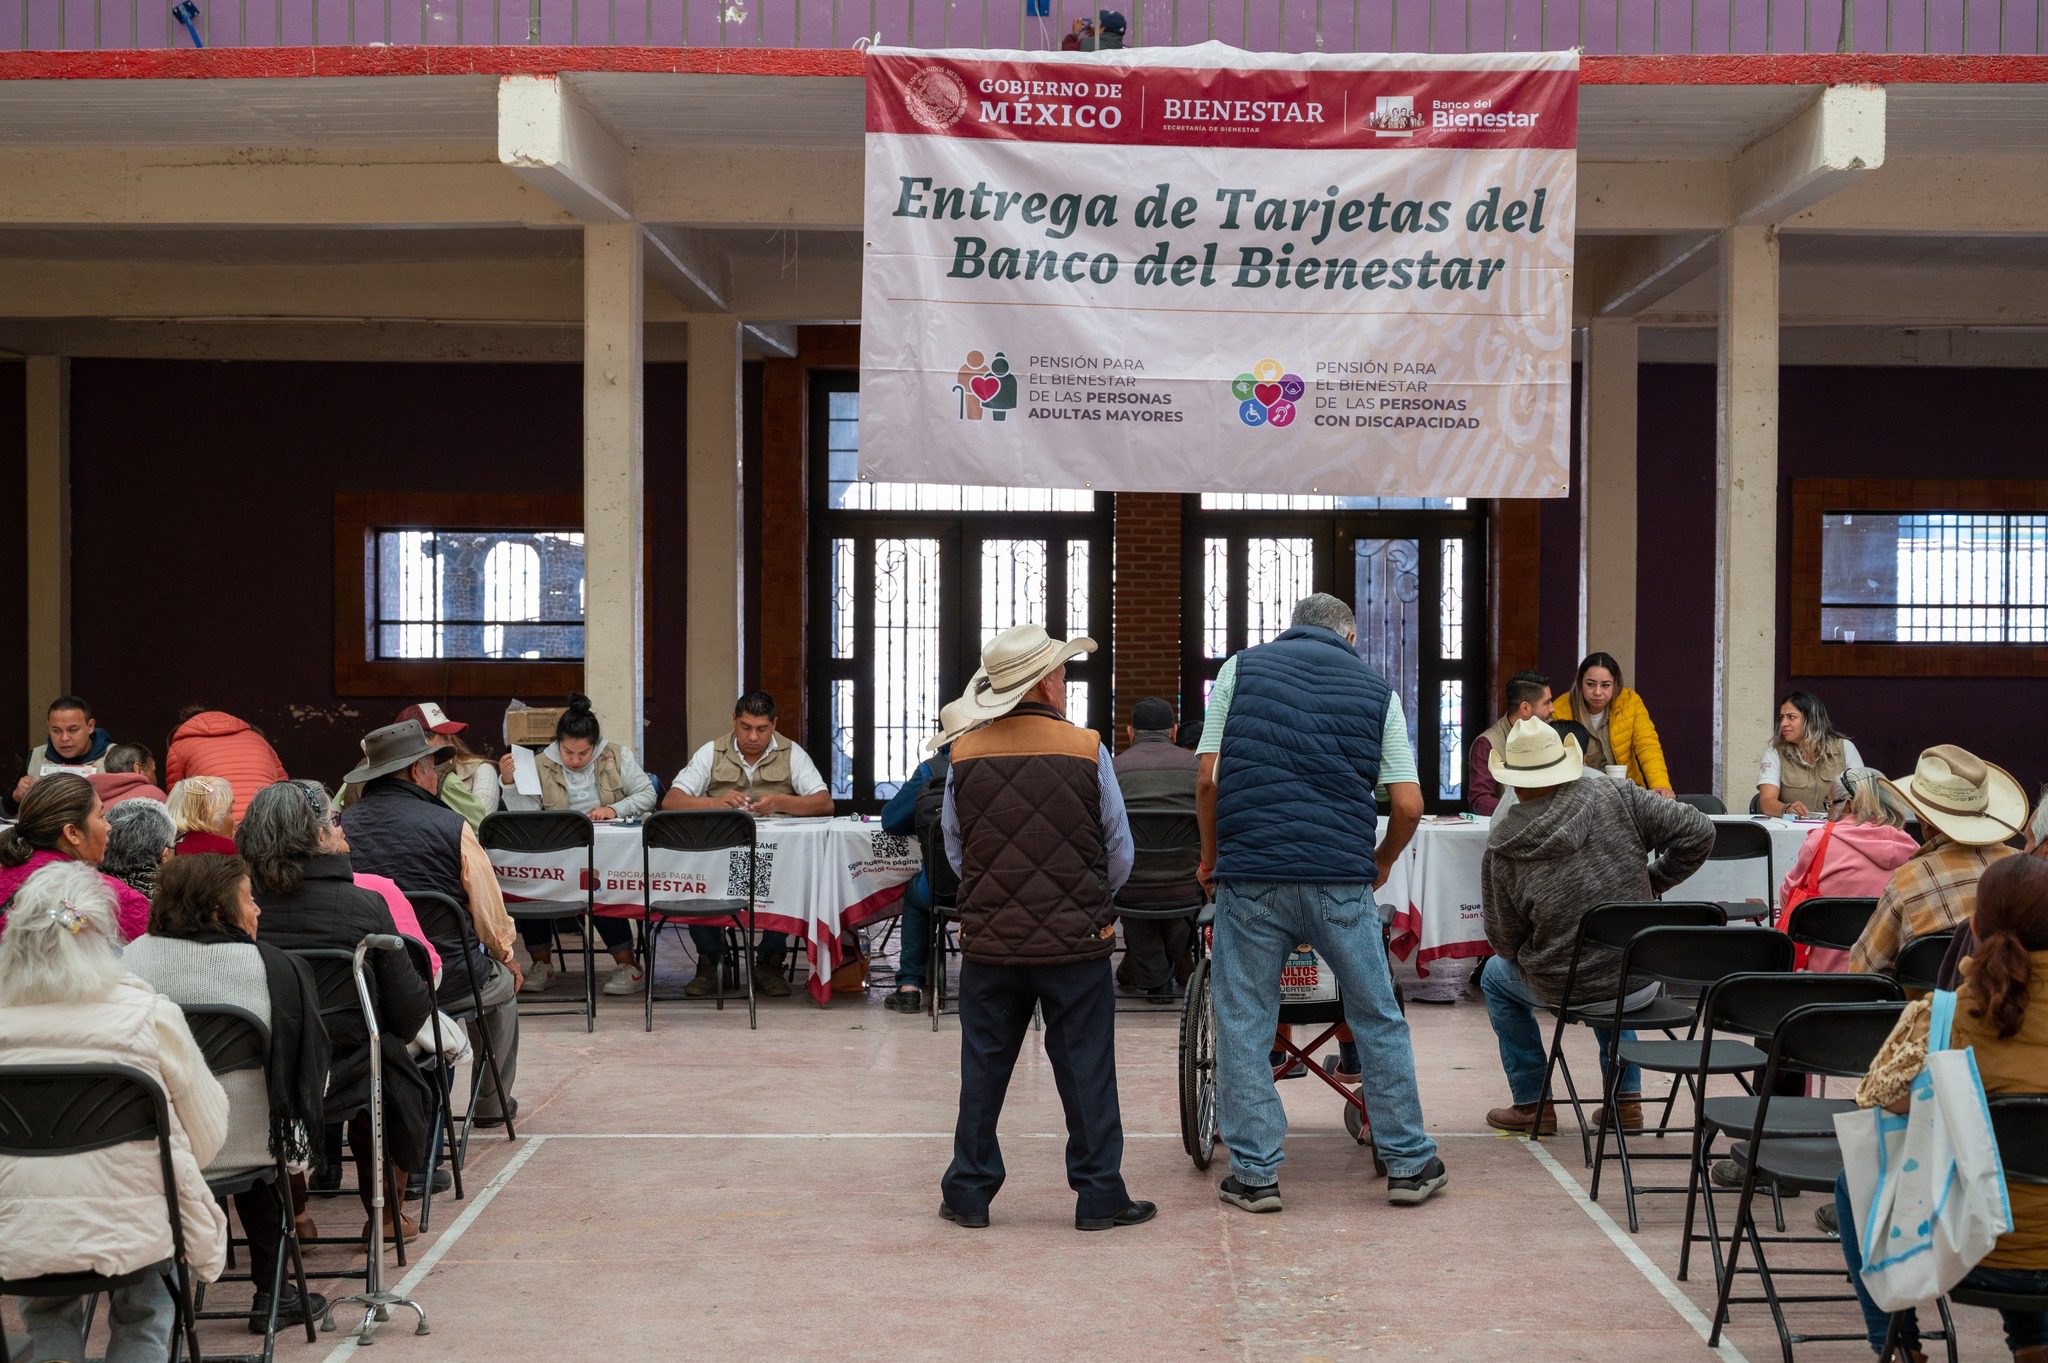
[{"x": 1631, "y": 738}]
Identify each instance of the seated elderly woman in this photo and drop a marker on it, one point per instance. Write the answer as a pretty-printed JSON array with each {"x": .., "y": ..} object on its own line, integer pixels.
[
  {"x": 1852, "y": 855},
  {"x": 61, "y": 819},
  {"x": 2001, "y": 1014},
  {"x": 203, "y": 807},
  {"x": 65, "y": 998},
  {"x": 202, "y": 949},
  {"x": 300, "y": 874},
  {"x": 139, "y": 836}
]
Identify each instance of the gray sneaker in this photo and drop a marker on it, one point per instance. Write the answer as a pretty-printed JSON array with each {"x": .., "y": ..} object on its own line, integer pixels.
[
  {"x": 1253, "y": 1198},
  {"x": 1420, "y": 1186}
]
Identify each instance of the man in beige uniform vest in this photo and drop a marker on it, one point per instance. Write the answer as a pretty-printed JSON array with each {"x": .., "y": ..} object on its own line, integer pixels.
[{"x": 755, "y": 769}]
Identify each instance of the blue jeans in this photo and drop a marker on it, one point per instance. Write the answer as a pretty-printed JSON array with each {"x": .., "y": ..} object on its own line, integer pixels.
[
  {"x": 1258, "y": 922},
  {"x": 142, "y": 1318},
  {"x": 914, "y": 934},
  {"x": 1510, "y": 1007},
  {"x": 2023, "y": 1329}
]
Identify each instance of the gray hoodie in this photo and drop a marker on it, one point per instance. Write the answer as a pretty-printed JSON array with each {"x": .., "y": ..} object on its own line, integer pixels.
[{"x": 1549, "y": 860}]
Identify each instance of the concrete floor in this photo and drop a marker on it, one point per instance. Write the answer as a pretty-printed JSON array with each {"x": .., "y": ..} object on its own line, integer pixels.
[{"x": 713, "y": 1193}]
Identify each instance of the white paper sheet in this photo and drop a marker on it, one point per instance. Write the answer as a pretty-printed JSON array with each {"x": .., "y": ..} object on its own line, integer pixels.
[{"x": 525, "y": 774}]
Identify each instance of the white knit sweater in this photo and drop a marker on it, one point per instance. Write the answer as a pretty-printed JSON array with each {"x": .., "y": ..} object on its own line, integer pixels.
[{"x": 230, "y": 973}]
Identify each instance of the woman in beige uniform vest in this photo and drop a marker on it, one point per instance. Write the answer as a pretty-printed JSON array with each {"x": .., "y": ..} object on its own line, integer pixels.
[{"x": 1802, "y": 760}]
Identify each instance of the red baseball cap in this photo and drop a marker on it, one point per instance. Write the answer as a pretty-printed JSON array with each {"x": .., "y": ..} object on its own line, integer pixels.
[{"x": 432, "y": 718}]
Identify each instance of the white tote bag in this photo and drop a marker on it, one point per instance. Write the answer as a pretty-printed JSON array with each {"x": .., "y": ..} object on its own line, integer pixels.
[{"x": 1927, "y": 1187}]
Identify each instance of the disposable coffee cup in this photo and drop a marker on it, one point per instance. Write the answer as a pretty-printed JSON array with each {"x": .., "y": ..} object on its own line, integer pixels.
[{"x": 1618, "y": 773}]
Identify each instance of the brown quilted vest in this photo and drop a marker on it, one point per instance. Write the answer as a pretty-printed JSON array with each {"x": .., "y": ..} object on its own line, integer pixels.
[{"x": 1034, "y": 871}]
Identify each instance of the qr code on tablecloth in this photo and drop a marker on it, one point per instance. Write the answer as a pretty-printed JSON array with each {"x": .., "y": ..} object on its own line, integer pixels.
[
  {"x": 736, "y": 871},
  {"x": 893, "y": 847}
]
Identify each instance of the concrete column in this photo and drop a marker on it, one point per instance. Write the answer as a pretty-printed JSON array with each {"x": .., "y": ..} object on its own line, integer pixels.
[
  {"x": 1607, "y": 491},
  {"x": 48, "y": 533},
  {"x": 1746, "y": 507},
  {"x": 614, "y": 538},
  {"x": 713, "y": 624}
]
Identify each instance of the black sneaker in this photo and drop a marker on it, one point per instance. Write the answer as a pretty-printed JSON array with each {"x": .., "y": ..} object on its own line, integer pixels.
[
  {"x": 1136, "y": 1214},
  {"x": 1418, "y": 1188},
  {"x": 1263, "y": 1198},
  {"x": 290, "y": 1309},
  {"x": 442, "y": 1183}
]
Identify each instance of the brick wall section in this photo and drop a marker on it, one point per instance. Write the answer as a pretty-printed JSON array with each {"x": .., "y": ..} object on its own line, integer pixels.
[
  {"x": 1516, "y": 594},
  {"x": 1148, "y": 586}
]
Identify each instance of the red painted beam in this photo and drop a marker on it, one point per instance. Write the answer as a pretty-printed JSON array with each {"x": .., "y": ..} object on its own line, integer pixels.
[{"x": 247, "y": 63}]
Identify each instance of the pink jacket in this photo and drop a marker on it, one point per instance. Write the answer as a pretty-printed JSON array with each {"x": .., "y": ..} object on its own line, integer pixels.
[
  {"x": 401, "y": 913},
  {"x": 214, "y": 743},
  {"x": 131, "y": 910},
  {"x": 1861, "y": 858}
]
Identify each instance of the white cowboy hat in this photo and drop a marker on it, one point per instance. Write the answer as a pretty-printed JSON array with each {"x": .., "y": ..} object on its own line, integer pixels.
[
  {"x": 1972, "y": 801},
  {"x": 1534, "y": 756},
  {"x": 1015, "y": 661}
]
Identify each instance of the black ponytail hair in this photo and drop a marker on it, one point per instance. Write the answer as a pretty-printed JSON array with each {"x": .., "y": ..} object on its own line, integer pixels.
[{"x": 578, "y": 721}]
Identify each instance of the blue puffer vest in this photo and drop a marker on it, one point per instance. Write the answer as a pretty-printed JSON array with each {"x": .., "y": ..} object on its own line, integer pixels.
[{"x": 1300, "y": 758}]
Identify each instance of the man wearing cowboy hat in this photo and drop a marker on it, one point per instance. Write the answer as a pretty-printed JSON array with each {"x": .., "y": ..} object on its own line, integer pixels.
[
  {"x": 399, "y": 828},
  {"x": 1969, "y": 809},
  {"x": 1565, "y": 845},
  {"x": 1035, "y": 826}
]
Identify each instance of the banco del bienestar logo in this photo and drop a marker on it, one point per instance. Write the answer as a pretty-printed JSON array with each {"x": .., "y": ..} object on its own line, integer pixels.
[
  {"x": 1266, "y": 394},
  {"x": 985, "y": 386},
  {"x": 935, "y": 97}
]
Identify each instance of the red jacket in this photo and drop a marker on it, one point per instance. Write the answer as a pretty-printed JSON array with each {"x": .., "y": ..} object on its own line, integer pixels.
[{"x": 213, "y": 743}]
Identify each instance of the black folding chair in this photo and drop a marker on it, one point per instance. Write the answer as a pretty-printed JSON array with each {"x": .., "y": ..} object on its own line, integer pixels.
[
  {"x": 525, "y": 832},
  {"x": 334, "y": 984},
  {"x": 2020, "y": 1122},
  {"x": 50, "y": 1111},
  {"x": 1740, "y": 840},
  {"x": 1754, "y": 1005},
  {"x": 234, "y": 1040},
  {"x": 1166, "y": 850},
  {"x": 447, "y": 924},
  {"x": 1833, "y": 1039},
  {"x": 443, "y": 1080},
  {"x": 1705, "y": 804},
  {"x": 1687, "y": 961},
  {"x": 1609, "y": 928},
  {"x": 700, "y": 830},
  {"x": 1918, "y": 966},
  {"x": 945, "y": 887},
  {"x": 1829, "y": 921}
]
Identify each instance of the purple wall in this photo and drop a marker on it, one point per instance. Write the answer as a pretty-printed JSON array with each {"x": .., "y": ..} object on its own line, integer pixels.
[
  {"x": 1873, "y": 423},
  {"x": 203, "y": 530},
  {"x": 1600, "y": 26},
  {"x": 15, "y": 739}
]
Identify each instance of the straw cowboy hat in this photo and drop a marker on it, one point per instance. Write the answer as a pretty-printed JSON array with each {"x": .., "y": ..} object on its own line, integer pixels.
[
  {"x": 1534, "y": 757},
  {"x": 1015, "y": 661},
  {"x": 394, "y": 748},
  {"x": 1972, "y": 801}
]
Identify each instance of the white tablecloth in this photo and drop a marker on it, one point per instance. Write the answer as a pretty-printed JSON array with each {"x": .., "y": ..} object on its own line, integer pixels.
[
  {"x": 812, "y": 877},
  {"x": 1433, "y": 889}
]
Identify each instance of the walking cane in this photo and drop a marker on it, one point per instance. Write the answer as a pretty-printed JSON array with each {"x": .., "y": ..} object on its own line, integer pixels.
[{"x": 374, "y": 1300}]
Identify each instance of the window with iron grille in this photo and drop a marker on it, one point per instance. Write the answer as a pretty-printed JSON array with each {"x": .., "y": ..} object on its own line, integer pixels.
[
  {"x": 1934, "y": 577},
  {"x": 511, "y": 595}
]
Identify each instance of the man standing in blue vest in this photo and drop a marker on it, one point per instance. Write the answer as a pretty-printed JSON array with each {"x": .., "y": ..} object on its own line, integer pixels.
[{"x": 1299, "y": 740}]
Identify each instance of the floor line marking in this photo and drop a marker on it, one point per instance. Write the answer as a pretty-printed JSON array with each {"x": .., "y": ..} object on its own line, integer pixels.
[
  {"x": 940, "y": 1135},
  {"x": 1633, "y": 1252},
  {"x": 420, "y": 1267}
]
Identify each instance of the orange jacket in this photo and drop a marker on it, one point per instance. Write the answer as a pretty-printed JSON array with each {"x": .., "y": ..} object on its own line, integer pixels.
[{"x": 213, "y": 743}]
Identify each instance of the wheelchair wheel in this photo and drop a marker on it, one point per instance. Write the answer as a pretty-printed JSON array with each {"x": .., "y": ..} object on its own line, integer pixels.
[
  {"x": 1198, "y": 1069},
  {"x": 1354, "y": 1122}
]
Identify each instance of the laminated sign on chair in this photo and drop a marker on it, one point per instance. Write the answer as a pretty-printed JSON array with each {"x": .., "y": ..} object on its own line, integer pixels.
[
  {"x": 1928, "y": 1188},
  {"x": 1305, "y": 978}
]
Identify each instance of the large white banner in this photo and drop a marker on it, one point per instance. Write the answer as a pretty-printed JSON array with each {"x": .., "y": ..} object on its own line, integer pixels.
[{"x": 1202, "y": 269}]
